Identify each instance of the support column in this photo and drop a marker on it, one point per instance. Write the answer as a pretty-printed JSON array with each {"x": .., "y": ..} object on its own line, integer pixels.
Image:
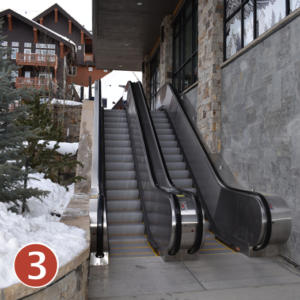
[
  {"x": 56, "y": 15},
  {"x": 146, "y": 78},
  {"x": 210, "y": 57},
  {"x": 166, "y": 50},
  {"x": 70, "y": 27},
  {"x": 10, "y": 22},
  {"x": 42, "y": 21},
  {"x": 62, "y": 50},
  {"x": 82, "y": 37},
  {"x": 35, "y": 33}
]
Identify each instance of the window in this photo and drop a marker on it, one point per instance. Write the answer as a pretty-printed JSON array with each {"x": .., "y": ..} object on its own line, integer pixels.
[
  {"x": 185, "y": 46},
  {"x": 154, "y": 75},
  {"x": 79, "y": 47},
  {"x": 51, "y": 46},
  {"x": 90, "y": 69},
  {"x": 72, "y": 71},
  {"x": 14, "y": 53},
  {"x": 15, "y": 44},
  {"x": 27, "y": 45},
  {"x": 4, "y": 46},
  {"x": 14, "y": 75},
  {"x": 104, "y": 102},
  {"x": 248, "y": 19}
]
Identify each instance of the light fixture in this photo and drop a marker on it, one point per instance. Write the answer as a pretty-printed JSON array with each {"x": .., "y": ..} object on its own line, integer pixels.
[
  {"x": 126, "y": 45},
  {"x": 120, "y": 66},
  {"x": 139, "y": 3}
]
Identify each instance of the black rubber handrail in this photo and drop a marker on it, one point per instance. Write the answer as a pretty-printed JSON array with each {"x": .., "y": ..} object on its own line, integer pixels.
[
  {"x": 175, "y": 190},
  {"x": 177, "y": 241},
  {"x": 263, "y": 199},
  {"x": 101, "y": 179}
]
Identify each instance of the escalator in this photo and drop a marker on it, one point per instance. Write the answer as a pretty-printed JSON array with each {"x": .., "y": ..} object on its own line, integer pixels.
[
  {"x": 135, "y": 208},
  {"x": 124, "y": 216},
  {"x": 248, "y": 222}
]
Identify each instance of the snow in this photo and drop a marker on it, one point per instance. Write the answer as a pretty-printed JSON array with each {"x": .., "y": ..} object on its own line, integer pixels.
[
  {"x": 65, "y": 102},
  {"x": 64, "y": 147},
  {"x": 38, "y": 226}
]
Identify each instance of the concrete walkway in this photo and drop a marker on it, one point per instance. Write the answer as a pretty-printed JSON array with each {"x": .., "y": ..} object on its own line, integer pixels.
[{"x": 220, "y": 276}]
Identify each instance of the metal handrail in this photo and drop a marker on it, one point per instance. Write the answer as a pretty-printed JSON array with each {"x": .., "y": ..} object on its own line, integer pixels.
[{"x": 199, "y": 241}]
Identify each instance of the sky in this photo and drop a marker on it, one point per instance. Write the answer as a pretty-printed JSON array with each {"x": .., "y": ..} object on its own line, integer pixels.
[{"x": 78, "y": 9}]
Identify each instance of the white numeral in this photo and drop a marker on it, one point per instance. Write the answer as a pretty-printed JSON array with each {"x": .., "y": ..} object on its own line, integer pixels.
[{"x": 42, "y": 274}]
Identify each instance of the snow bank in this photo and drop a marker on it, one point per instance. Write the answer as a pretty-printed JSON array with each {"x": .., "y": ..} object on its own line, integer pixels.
[
  {"x": 64, "y": 148},
  {"x": 66, "y": 102},
  {"x": 38, "y": 226}
]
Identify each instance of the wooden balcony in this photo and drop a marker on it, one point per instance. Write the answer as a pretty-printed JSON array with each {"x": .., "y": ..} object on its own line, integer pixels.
[
  {"x": 88, "y": 57},
  {"x": 35, "y": 59},
  {"x": 36, "y": 82}
]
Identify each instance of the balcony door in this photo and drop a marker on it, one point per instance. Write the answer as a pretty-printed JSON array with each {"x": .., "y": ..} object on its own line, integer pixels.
[
  {"x": 27, "y": 55},
  {"x": 27, "y": 77}
]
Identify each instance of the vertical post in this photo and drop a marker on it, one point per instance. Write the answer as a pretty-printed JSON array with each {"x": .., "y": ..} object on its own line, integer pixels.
[
  {"x": 82, "y": 37},
  {"x": 90, "y": 88},
  {"x": 81, "y": 94},
  {"x": 10, "y": 24},
  {"x": 25, "y": 182},
  {"x": 56, "y": 15}
]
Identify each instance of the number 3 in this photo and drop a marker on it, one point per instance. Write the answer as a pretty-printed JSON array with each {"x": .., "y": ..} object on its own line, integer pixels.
[{"x": 42, "y": 274}]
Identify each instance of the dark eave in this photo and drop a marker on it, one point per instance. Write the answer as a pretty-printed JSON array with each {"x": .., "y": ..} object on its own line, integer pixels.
[
  {"x": 37, "y": 26},
  {"x": 117, "y": 23},
  {"x": 62, "y": 11}
]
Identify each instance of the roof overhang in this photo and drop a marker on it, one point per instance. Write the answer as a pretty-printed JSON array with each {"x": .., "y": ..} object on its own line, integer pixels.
[{"x": 124, "y": 32}]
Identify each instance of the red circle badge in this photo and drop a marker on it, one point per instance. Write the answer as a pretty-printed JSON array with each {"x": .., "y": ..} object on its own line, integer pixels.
[{"x": 36, "y": 265}]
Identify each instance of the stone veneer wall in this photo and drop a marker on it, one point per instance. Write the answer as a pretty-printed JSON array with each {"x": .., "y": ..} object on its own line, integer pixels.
[
  {"x": 210, "y": 57},
  {"x": 261, "y": 118},
  {"x": 71, "y": 115},
  {"x": 166, "y": 52}
]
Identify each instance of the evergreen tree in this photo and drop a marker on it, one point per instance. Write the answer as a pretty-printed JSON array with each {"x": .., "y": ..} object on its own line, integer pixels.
[
  {"x": 13, "y": 170},
  {"x": 41, "y": 157},
  {"x": 273, "y": 18}
]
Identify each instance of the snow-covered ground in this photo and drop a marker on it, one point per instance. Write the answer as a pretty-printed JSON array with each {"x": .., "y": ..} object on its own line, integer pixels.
[{"x": 38, "y": 226}]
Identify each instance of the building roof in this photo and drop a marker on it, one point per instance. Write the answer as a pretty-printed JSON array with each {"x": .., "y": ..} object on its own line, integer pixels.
[
  {"x": 62, "y": 11},
  {"x": 39, "y": 27}
]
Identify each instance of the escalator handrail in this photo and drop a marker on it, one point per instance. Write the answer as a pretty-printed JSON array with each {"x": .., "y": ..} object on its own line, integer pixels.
[
  {"x": 176, "y": 236},
  {"x": 221, "y": 182},
  {"x": 101, "y": 179},
  {"x": 171, "y": 188}
]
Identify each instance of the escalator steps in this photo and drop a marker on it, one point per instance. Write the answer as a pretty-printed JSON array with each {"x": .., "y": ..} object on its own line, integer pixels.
[{"x": 124, "y": 217}]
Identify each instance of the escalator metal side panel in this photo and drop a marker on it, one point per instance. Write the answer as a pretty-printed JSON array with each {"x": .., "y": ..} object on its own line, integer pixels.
[{"x": 239, "y": 217}]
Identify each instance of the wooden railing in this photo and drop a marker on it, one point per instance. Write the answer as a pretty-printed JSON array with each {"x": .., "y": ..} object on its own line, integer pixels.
[
  {"x": 35, "y": 59},
  {"x": 88, "y": 57},
  {"x": 34, "y": 82}
]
